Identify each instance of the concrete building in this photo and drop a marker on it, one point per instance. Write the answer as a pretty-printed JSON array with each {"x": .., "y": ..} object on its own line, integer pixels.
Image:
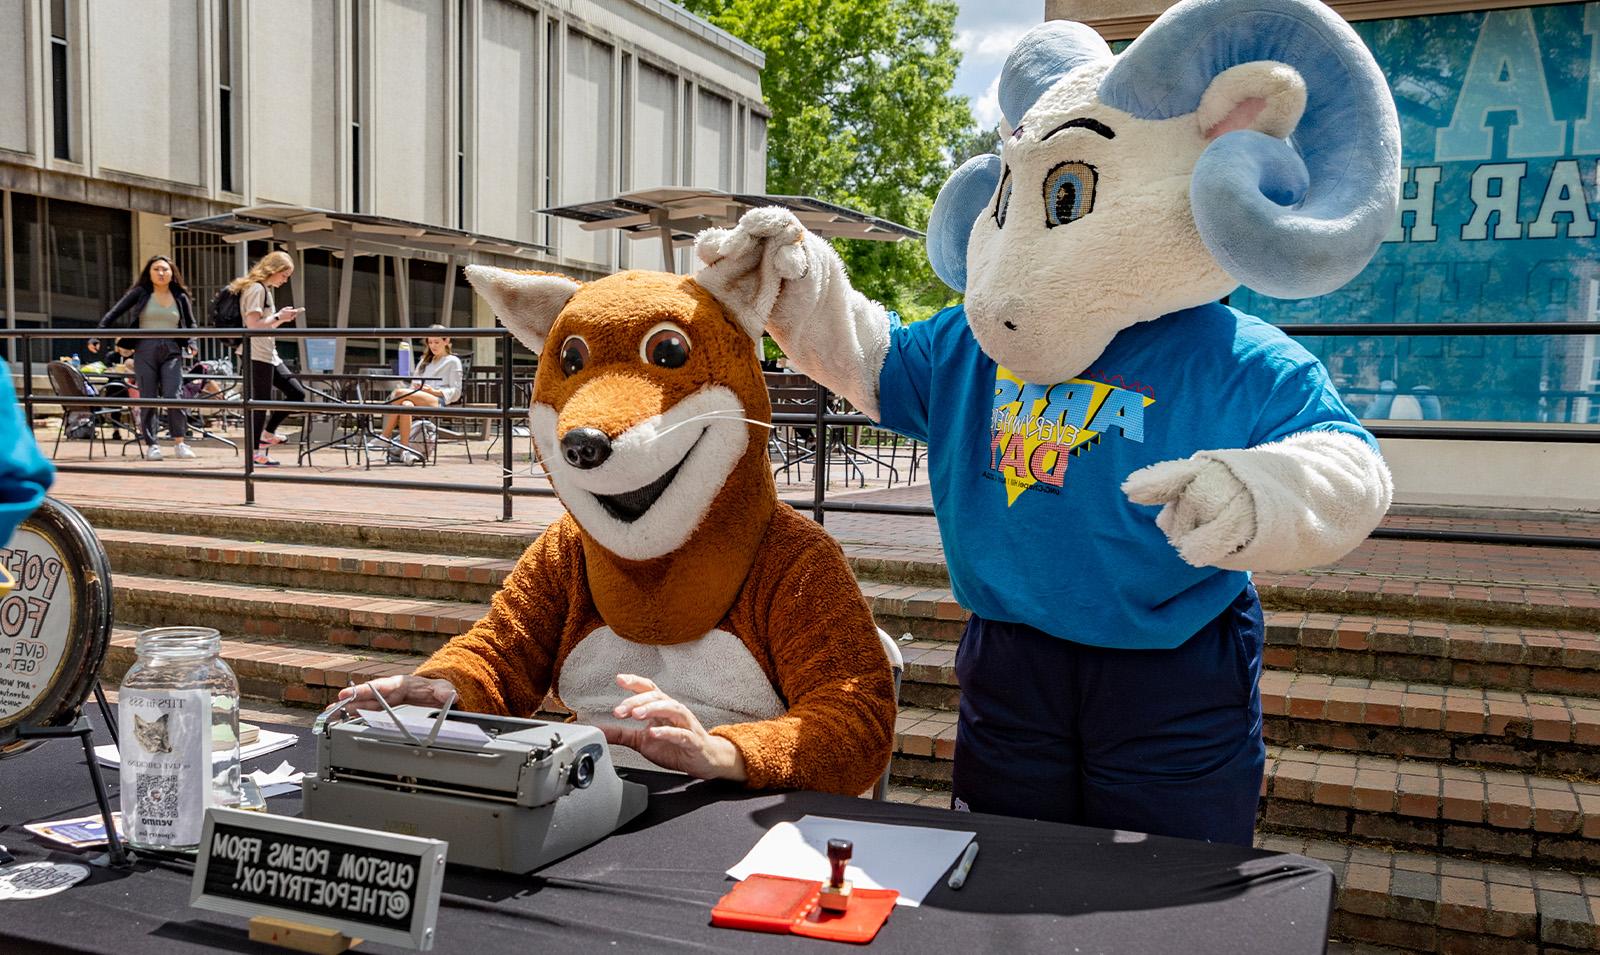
[{"x": 118, "y": 117}]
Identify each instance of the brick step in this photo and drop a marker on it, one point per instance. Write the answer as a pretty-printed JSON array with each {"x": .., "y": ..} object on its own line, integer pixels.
[
  {"x": 279, "y": 672},
  {"x": 491, "y": 539},
  {"x": 1437, "y": 596},
  {"x": 363, "y": 570},
  {"x": 316, "y": 619},
  {"x": 1418, "y": 902},
  {"x": 928, "y": 612},
  {"x": 1551, "y": 735},
  {"x": 1540, "y": 660},
  {"x": 1414, "y": 804}
]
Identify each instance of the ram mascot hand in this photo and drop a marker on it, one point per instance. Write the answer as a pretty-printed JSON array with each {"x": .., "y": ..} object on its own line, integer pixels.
[{"x": 1235, "y": 142}]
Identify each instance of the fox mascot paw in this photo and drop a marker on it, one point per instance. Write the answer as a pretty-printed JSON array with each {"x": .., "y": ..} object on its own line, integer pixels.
[{"x": 677, "y": 604}]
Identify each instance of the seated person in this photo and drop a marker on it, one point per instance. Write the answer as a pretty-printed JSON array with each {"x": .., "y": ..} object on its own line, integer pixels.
[
  {"x": 697, "y": 619},
  {"x": 438, "y": 362}
]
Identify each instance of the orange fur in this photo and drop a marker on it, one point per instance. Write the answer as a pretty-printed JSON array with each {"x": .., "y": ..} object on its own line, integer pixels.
[{"x": 752, "y": 567}]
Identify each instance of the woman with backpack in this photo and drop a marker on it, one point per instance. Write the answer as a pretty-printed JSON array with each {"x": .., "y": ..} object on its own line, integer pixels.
[
  {"x": 257, "y": 310},
  {"x": 158, "y": 299}
]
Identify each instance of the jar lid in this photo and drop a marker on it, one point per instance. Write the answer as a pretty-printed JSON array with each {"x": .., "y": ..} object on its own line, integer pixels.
[{"x": 185, "y": 641}]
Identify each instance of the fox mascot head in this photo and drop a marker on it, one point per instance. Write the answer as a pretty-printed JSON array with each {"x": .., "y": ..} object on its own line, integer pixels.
[{"x": 648, "y": 412}]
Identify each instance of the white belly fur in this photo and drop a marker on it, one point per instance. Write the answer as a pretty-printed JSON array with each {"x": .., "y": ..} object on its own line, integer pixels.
[{"x": 714, "y": 676}]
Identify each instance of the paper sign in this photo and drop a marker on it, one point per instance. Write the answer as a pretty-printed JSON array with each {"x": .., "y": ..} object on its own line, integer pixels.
[
  {"x": 909, "y": 859},
  {"x": 79, "y": 833},
  {"x": 35, "y": 880},
  {"x": 268, "y": 741},
  {"x": 366, "y": 884}
]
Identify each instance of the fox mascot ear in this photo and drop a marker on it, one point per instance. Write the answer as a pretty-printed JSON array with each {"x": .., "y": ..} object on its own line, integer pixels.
[{"x": 527, "y": 303}]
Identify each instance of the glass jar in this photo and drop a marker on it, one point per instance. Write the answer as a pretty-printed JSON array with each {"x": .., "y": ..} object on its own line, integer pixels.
[{"x": 178, "y": 721}]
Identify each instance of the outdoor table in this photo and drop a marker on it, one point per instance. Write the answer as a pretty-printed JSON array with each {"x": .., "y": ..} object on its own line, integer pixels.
[
  {"x": 650, "y": 886},
  {"x": 364, "y": 434}
]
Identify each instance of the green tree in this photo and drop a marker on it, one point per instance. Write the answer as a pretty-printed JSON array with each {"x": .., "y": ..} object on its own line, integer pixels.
[{"x": 862, "y": 115}]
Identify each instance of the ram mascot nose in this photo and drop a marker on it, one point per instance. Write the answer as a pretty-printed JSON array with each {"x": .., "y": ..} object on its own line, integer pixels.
[{"x": 1290, "y": 218}]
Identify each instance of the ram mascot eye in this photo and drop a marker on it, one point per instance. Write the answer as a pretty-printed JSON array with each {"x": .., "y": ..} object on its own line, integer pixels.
[
  {"x": 1069, "y": 193},
  {"x": 1004, "y": 202}
]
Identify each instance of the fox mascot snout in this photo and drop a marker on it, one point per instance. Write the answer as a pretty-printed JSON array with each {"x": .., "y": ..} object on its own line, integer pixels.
[{"x": 675, "y": 560}]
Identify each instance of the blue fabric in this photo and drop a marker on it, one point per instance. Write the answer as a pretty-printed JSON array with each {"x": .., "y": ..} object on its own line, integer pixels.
[
  {"x": 962, "y": 199},
  {"x": 1164, "y": 741},
  {"x": 1045, "y": 54},
  {"x": 1070, "y": 555},
  {"x": 1275, "y": 235},
  {"x": 24, "y": 473}
]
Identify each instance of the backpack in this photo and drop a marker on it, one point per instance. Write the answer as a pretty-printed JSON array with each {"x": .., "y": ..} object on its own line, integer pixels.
[{"x": 224, "y": 309}]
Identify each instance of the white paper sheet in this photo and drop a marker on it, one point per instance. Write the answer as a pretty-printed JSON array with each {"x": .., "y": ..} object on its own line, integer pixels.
[
  {"x": 909, "y": 859},
  {"x": 269, "y": 741},
  {"x": 421, "y": 724},
  {"x": 284, "y": 779}
]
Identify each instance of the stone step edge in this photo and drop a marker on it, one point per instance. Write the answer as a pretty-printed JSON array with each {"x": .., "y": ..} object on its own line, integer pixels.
[
  {"x": 505, "y": 542},
  {"x": 1306, "y": 592},
  {"x": 1503, "y": 799},
  {"x": 1464, "y": 711},
  {"x": 1418, "y": 901}
]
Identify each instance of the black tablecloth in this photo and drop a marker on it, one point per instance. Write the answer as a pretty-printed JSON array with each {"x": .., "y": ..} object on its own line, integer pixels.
[{"x": 649, "y": 887}]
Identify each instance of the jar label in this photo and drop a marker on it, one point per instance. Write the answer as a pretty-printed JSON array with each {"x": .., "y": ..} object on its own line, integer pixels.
[{"x": 166, "y": 764}]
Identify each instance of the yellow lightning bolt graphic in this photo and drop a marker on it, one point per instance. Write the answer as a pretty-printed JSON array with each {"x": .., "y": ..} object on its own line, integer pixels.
[{"x": 1073, "y": 435}]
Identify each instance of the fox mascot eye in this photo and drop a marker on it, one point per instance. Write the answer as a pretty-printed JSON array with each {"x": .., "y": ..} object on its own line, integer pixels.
[
  {"x": 665, "y": 346},
  {"x": 574, "y": 355}
]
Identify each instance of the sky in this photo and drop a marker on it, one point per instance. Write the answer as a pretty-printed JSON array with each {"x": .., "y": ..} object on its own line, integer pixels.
[{"x": 985, "y": 32}]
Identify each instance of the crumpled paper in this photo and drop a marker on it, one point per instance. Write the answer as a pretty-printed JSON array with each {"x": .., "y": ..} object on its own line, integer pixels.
[{"x": 284, "y": 779}]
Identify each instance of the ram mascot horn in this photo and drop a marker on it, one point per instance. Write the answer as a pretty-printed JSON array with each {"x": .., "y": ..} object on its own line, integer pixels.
[{"x": 1232, "y": 143}]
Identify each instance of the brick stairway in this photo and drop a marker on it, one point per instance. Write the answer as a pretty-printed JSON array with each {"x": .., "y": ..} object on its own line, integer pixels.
[{"x": 1433, "y": 714}]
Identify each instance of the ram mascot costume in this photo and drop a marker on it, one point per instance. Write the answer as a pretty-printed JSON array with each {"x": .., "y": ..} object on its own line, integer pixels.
[{"x": 1112, "y": 450}]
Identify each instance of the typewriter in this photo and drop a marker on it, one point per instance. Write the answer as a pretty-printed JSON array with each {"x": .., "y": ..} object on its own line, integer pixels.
[{"x": 506, "y": 793}]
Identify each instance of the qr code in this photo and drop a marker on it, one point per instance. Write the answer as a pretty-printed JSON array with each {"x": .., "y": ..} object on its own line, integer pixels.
[{"x": 157, "y": 796}]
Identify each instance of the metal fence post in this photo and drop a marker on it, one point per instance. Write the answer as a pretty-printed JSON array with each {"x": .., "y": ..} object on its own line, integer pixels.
[
  {"x": 506, "y": 436},
  {"x": 819, "y": 460},
  {"x": 248, "y": 367}
]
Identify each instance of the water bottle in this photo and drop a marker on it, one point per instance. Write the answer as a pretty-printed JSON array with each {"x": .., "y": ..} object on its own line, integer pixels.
[
  {"x": 76, "y": 361},
  {"x": 403, "y": 360}
]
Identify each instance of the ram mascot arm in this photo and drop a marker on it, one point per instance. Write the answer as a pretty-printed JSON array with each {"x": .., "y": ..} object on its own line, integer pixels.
[{"x": 1235, "y": 142}]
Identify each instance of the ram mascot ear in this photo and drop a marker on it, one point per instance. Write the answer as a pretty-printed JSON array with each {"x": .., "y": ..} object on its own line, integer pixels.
[
  {"x": 1043, "y": 55},
  {"x": 1290, "y": 216},
  {"x": 527, "y": 303}
]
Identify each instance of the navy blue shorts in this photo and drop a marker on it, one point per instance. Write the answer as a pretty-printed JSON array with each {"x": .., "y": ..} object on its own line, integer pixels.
[{"x": 1159, "y": 741}]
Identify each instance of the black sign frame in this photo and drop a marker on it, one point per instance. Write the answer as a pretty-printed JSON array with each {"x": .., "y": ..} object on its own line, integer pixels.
[{"x": 233, "y": 876}]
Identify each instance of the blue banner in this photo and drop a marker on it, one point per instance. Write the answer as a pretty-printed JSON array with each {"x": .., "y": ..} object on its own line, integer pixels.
[{"x": 1500, "y": 123}]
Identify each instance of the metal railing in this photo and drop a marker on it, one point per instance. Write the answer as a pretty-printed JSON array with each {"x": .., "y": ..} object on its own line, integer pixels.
[
  {"x": 822, "y": 420},
  {"x": 506, "y": 414}
]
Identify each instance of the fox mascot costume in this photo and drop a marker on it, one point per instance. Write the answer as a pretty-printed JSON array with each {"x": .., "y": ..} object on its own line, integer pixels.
[
  {"x": 1111, "y": 450},
  {"x": 677, "y": 604}
]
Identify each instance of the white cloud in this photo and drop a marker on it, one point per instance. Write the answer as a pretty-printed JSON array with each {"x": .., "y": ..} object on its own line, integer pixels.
[
  {"x": 986, "y": 108},
  {"x": 991, "y": 44}
]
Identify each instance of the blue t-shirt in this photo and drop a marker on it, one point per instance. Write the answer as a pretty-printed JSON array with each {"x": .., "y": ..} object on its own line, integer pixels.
[{"x": 1027, "y": 478}]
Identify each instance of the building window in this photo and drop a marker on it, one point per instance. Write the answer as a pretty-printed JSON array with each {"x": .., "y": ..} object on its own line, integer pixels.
[
  {"x": 60, "y": 81},
  {"x": 225, "y": 94},
  {"x": 1500, "y": 123}
]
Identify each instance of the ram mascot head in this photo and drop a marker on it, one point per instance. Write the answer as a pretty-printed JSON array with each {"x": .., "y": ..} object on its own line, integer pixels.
[{"x": 1232, "y": 143}]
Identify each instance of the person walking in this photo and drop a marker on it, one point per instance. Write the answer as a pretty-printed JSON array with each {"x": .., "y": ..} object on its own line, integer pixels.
[
  {"x": 258, "y": 310},
  {"x": 158, "y": 299}
]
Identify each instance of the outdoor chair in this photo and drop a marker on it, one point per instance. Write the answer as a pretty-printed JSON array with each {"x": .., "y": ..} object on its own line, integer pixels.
[
  {"x": 68, "y": 382},
  {"x": 442, "y": 424}
]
